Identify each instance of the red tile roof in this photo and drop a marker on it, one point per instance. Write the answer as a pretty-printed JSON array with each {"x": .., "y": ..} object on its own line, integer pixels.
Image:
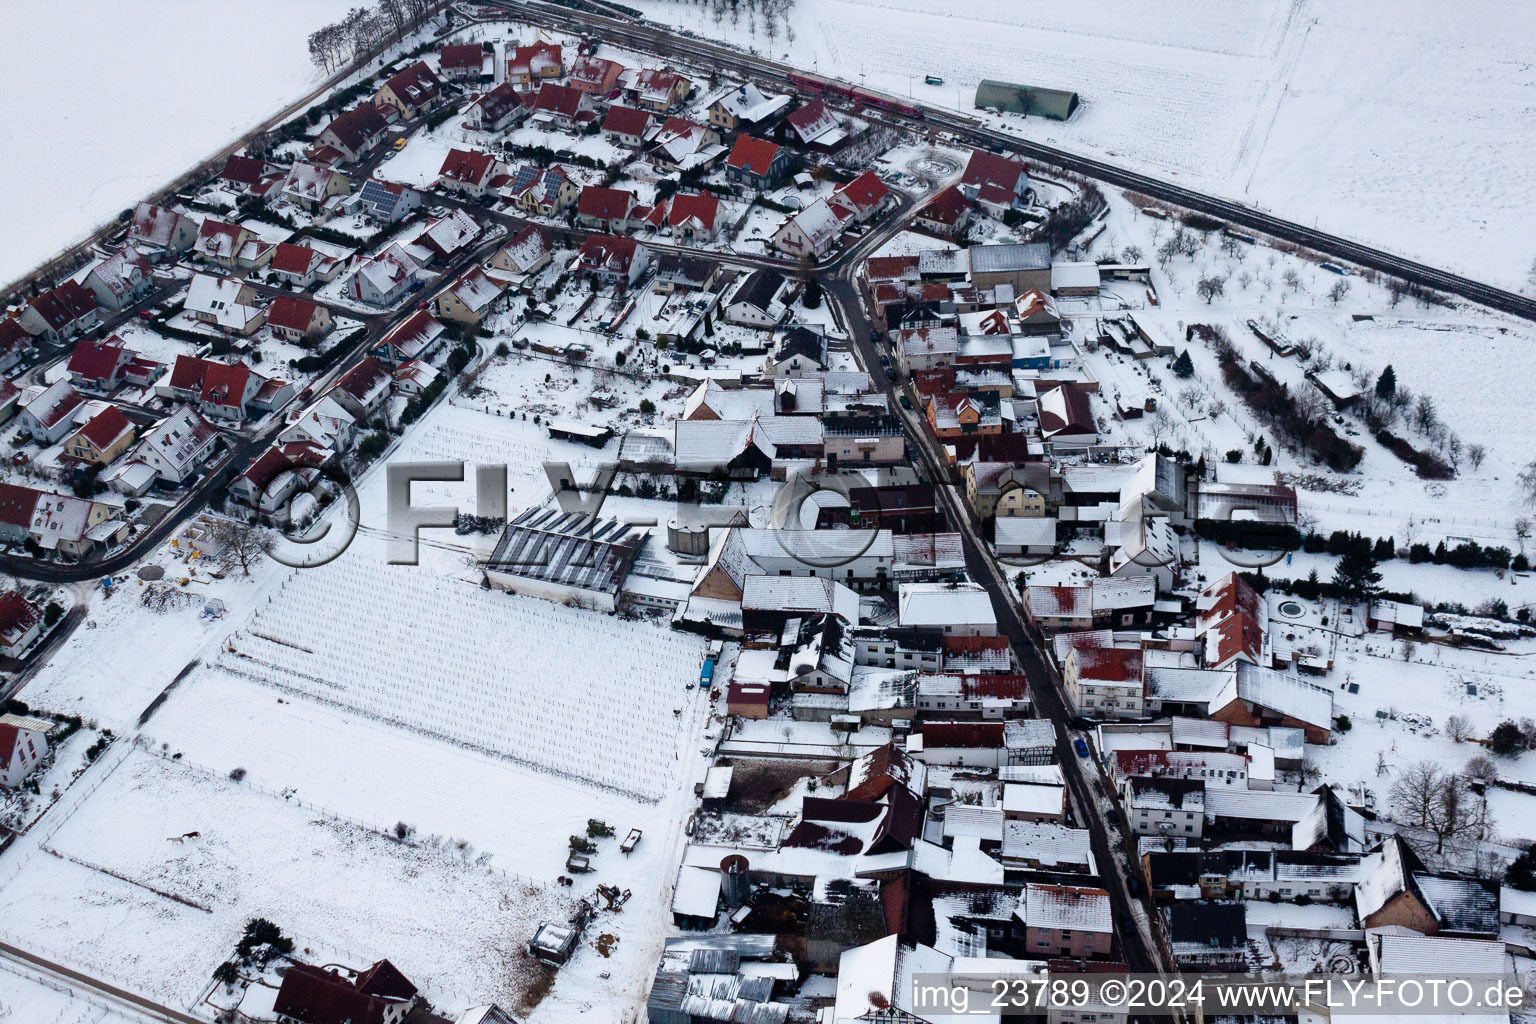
[
  {"x": 355, "y": 128},
  {"x": 243, "y": 170},
  {"x": 215, "y": 383},
  {"x": 865, "y": 192},
  {"x": 16, "y": 505},
  {"x": 105, "y": 427},
  {"x": 461, "y": 57},
  {"x": 986, "y": 168},
  {"x": 971, "y": 735},
  {"x": 65, "y": 304},
  {"x": 703, "y": 206},
  {"x": 97, "y": 360},
  {"x": 626, "y": 121},
  {"x": 291, "y": 312},
  {"x": 13, "y": 335},
  {"x": 755, "y": 155},
  {"x": 416, "y": 84},
  {"x": 891, "y": 268},
  {"x": 611, "y": 252},
  {"x": 1109, "y": 664},
  {"x": 948, "y": 207},
  {"x": 469, "y": 166},
  {"x": 558, "y": 99},
  {"x": 604, "y": 203},
  {"x": 17, "y": 615},
  {"x": 316, "y": 996},
  {"x": 292, "y": 259}
]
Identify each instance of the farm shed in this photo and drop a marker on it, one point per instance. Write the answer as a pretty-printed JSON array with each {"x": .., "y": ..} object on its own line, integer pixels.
[{"x": 1057, "y": 104}]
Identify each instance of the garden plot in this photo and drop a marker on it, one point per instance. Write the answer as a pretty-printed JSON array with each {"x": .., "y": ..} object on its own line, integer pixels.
[
  {"x": 495, "y": 673},
  {"x": 157, "y": 829}
]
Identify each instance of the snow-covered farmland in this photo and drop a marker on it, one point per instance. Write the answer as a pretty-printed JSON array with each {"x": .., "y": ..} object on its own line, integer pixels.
[
  {"x": 493, "y": 672},
  {"x": 26, "y": 995},
  {"x": 1298, "y": 106},
  {"x": 117, "y": 889},
  {"x": 107, "y": 101}
]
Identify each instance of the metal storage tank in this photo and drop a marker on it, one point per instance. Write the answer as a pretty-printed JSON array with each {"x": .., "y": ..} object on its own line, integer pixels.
[
  {"x": 737, "y": 886},
  {"x": 687, "y": 539}
]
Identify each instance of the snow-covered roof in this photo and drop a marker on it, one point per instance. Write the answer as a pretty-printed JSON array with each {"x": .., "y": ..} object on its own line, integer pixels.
[
  {"x": 219, "y": 297},
  {"x": 967, "y": 820},
  {"x": 879, "y": 976},
  {"x": 945, "y": 604},
  {"x": 1049, "y": 844},
  {"x": 1069, "y": 907},
  {"x": 698, "y": 891},
  {"x": 1435, "y": 955},
  {"x": 1032, "y": 798}
]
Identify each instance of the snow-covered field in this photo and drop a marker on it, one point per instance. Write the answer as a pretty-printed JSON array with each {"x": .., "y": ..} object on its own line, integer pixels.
[
  {"x": 1297, "y": 106},
  {"x": 107, "y": 101},
  {"x": 29, "y": 996},
  {"x": 117, "y": 888}
]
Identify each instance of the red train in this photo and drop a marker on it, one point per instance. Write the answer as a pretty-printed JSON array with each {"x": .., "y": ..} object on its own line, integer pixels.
[{"x": 817, "y": 85}]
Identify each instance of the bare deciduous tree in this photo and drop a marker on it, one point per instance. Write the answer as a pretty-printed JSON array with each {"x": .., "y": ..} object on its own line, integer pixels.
[
  {"x": 1476, "y": 453},
  {"x": 244, "y": 544},
  {"x": 1458, "y": 727},
  {"x": 1482, "y": 770},
  {"x": 1211, "y": 287},
  {"x": 1338, "y": 291},
  {"x": 1438, "y": 802}
]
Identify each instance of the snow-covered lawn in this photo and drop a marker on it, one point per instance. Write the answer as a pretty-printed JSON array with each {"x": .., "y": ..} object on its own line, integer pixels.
[{"x": 90, "y": 127}]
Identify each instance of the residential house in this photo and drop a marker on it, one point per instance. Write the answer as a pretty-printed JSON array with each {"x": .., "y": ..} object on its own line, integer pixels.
[
  {"x": 104, "y": 437},
  {"x": 595, "y": 76},
  {"x": 48, "y": 412},
  {"x": 1230, "y": 622},
  {"x": 387, "y": 202},
  {"x": 176, "y": 448},
  {"x": 469, "y": 299},
  {"x": 230, "y": 247},
  {"x": 21, "y": 622},
  {"x": 926, "y": 348},
  {"x": 626, "y": 126},
  {"x": 1165, "y": 806},
  {"x": 529, "y": 252},
  {"x": 693, "y": 216},
  {"x": 61, "y": 312},
  {"x": 535, "y": 63},
  {"x": 222, "y": 390},
  {"x": 382, "y": 280},
  {"x": 683, "y": 145},
  {"x": 297, "y": 266},
  {"x": 1067, "y": 920},
  {"x": 757, "y": 302},
  {"x": 415, "y": 377},
  {"x": 10, "y": 395},
  {"x": 559, "y": 103},
  {"x": 605, "y": 209},
  {"x": 685, "y": 273},
  {"x": 325, "y": 424},
  {"x": 797, "y": 351},
  {"x": 1207, "y": 935},
  {"x": 445, "y": 237},
  {"x": 1006, "y": 490},
  {"x": 657, "y": 89},
  {"x": 417, "y": 338},
  {"x": 99, "y": 365},
  {"x": 226, "y": 303},
  {"x": 277, "y": 474},
  {"x": 120, "y": 280},
  {"x": 355, "y": 133},
  {"x": 746, "y": 108},
  {"x": 310, "y": 187},
  {"x": 1105, "y": 681},
  {"x": 313, "y": 995},
  {"x": 159, "y": 229},
  {"x": 956, "y": 414},
  {"x": 243, "y": 173},
  {"x": 995, "y": 182},
  {"x": 497, "y": 111},
  {"x": 758, "y": 163},
  {"x": 23, "y": 740},
  {"x": 958, "y": 609},
  {"x": 547, "y": 191},
  {"x": 946, "y": 214},
  {"x": 468, "y": 172},
  {"x": 812, "y": 232},
  {"x": 74, "y": 527},
  {"x": 815, "y": 127},
  {"x": 411, "y": 91},
  {"x": 461, "y": 62},
  {"x": 861, "y": 198},
  {"x": 363, "y": 390},
  {"x": 1262, "y": 698},
  {"x": 298, "y": 319},
  {"x": 612, "y": 259}
]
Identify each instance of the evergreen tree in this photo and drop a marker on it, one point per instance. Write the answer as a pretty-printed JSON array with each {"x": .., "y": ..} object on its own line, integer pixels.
[
  {"x": 1522, "y": 873},
  {"x": 812, "y": 297},
  {"x": 1356, "y": 577},
  {"x": 1386, "y": 549},
  {"x": 1386, "y": 384},
  {"x": 1183, "y": 367}
]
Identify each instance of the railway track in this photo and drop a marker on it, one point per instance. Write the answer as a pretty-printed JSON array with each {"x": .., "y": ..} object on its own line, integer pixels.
[{"x": 663, "y": 42}]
